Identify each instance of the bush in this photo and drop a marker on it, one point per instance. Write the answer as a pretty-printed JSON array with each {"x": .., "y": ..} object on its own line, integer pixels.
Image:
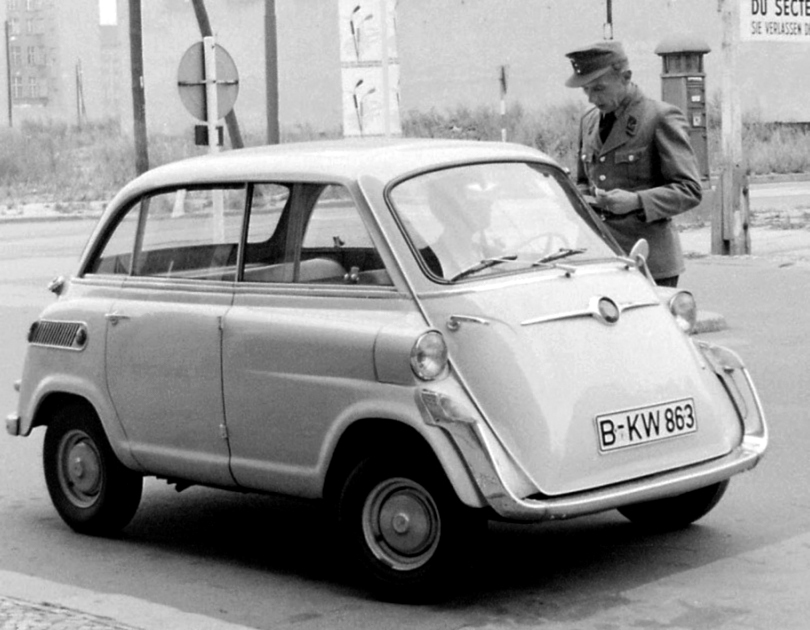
[
  {"x": 60, "y": 163},
  {"x": 553, "y": 130}
]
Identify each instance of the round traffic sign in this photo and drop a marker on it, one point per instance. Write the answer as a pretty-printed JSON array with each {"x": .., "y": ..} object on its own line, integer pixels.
[{"x": 191, "y": 81}]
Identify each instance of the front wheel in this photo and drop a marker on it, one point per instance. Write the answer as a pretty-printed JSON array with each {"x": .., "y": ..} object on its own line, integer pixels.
[
  {"x": 91, "y": 490},
  {"x": 404, "y": 528},
  {"x": 676, "y": 512}
]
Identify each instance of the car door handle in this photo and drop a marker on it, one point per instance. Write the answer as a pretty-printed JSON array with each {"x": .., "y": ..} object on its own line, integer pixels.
[
  {"x": 454, "y": 321},
  {"x": 114, "y": 318}
]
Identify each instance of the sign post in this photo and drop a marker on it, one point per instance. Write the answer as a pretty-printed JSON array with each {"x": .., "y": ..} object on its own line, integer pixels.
[
  {"x": 211, "y": 104},
  {"x": 208, "y": 83}
]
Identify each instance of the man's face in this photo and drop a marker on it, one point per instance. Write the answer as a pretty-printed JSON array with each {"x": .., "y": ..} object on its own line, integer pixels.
[{"x": 607, "y": 92}]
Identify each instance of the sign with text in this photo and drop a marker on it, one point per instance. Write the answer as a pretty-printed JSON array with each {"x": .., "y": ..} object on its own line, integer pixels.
[{"x": 775, "y": 20}]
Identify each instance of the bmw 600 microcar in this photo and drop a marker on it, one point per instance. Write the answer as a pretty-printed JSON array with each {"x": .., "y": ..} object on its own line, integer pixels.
[{"x": 425, "y": 334}]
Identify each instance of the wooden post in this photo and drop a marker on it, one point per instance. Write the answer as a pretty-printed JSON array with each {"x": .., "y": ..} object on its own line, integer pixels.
[
  {"x": 608, "y": 34},
  {"x": 271, "y": 71},
  {"x": 502, "y": 80},
  {"x": 730, "y": 223},
  {"x": 138, "y": 99},
  {"x": 8, "y": 78}
]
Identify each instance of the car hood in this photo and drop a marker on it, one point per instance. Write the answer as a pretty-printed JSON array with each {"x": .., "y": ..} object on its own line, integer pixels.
[{"x": 541, "y": 365}]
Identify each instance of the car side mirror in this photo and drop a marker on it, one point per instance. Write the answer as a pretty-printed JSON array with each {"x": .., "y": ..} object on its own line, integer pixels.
[
  {"x": 639, "y": 254},
  {"x": 640, "y": 250},
  {"x": 57, "y": 285}
]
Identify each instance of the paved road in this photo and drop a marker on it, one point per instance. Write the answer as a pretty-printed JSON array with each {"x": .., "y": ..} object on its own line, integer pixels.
[{"x": 207, "y": 559}]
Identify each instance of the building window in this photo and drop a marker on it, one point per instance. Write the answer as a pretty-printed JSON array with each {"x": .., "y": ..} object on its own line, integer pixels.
[
  {"x": 16, "y": 87},
  {"x": 13, "y": 5},
  {"x": 30, "y": 5},
  {"x": 14, "y": 24},
  {"x": 31, "y": 56},
  {"x": 29, "y": 26},
  {"x": 16, "y": 56},
  {"x": 33, "y": 87}
]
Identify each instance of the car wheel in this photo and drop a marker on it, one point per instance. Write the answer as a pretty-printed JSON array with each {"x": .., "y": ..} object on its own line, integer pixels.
[
  {"x": 676, "y": 512},
  {"x": 403, "y": 527},
  {"x": 91, "y": 490}
]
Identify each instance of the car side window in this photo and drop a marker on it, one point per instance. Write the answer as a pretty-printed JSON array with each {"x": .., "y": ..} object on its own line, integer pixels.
[
  {"x": 116, "y": 257},
  {"x": 190, "y": 233},
  {"x": 325, "y": 242},
  {"x": 267, "y": 204}
]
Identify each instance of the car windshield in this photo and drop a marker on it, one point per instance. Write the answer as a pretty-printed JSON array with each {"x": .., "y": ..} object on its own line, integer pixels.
[{"x": 479, "y": 219}]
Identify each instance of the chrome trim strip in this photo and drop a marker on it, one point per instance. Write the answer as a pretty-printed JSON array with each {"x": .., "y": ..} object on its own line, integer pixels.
[{"x": 591, "y": 311}]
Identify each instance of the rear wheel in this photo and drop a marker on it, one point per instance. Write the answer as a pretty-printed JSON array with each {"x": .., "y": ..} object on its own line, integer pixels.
[
  {"x": 91, "y": 490},
  {"x": 676, "y": 512},
  {"x": 404, "y": 528}
]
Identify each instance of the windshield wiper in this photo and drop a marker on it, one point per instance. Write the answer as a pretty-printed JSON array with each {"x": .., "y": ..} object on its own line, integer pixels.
[
  {"x": 480, "y": 266},
  {"x": 563, "y": 252}
]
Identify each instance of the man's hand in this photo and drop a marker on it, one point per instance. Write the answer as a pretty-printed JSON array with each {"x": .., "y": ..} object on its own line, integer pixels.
[{"x": 618, "y": 201}]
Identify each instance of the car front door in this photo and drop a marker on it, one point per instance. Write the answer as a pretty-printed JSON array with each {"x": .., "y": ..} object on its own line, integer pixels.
[
  {"x": 298, "y": 344},
  {"x": 164, "y": 371}
]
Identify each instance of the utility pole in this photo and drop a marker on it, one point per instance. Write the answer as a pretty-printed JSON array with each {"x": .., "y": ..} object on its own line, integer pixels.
[
  {"x": 8, "y": 78},
  {"x": 271, "y": 71},
  {"x": 608, "y": 34},
  {"x": 138, "y": 95},
  {"x": 730, "y": 223},
  {"x": 206, "y": 31}
]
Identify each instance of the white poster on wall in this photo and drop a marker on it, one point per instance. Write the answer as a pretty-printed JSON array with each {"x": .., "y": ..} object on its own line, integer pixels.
[{"x": 369, "y": 67}]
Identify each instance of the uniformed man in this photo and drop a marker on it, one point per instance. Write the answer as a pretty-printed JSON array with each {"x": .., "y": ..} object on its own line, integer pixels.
[{"x": 636, "y": 165}]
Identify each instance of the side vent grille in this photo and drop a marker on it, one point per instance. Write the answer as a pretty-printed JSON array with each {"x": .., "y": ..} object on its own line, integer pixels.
[{"x": 68, "y": 335}]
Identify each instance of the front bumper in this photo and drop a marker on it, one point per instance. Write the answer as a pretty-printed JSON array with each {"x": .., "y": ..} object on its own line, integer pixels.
[
  {"x": 488, "y": 469},
  {"x": 13, "y": 424},
  {"x": 13, "y": 420}
]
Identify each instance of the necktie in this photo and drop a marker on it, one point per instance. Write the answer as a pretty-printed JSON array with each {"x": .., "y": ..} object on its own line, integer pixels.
[{"x": 605, "y": 125}]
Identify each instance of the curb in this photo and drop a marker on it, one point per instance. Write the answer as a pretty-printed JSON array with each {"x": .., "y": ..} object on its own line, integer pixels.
[{"x": 50, "y": 218}]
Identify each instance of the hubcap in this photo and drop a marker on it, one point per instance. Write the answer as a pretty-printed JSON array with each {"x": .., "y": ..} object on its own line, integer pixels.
[
  {"x": 401, "y": 523},
  {"x": 80, "y": 474}
]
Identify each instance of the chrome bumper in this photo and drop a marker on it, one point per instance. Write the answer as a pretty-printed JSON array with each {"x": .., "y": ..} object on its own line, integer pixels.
[
  {"x": 13, "y": 424},
  {"x": 475, "y": 443}
]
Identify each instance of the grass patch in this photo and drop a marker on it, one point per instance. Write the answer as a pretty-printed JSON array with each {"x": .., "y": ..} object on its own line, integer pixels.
[{"x": 61, "y": 163}]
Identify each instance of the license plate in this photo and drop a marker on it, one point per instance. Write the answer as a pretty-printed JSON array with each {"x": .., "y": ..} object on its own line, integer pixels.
[{"x": 643, "y": 425}]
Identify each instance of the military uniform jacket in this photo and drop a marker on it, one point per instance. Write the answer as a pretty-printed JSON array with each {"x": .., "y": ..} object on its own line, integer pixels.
[{"x": 647, "y": 152}]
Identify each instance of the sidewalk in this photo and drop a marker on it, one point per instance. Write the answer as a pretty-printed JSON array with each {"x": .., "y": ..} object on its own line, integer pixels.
[
  {"x": 783, "y": 246},
  {"x": 29, "y": 603}
]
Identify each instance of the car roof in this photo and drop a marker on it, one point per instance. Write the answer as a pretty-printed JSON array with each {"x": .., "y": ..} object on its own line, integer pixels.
[{"x": 332, "y": 160}]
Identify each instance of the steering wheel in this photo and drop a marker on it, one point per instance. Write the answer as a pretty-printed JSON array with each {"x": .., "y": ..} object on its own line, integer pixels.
[{"x": 552, "y": 242}]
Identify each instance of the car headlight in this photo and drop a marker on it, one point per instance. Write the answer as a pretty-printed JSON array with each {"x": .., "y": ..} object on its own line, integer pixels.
[
  {"x": 684, "y": 309},
  {"x": 429, "y": 356}
]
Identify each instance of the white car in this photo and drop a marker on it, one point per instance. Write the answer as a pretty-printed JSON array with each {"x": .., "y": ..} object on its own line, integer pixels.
[{"x": 426, "y": 334}]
